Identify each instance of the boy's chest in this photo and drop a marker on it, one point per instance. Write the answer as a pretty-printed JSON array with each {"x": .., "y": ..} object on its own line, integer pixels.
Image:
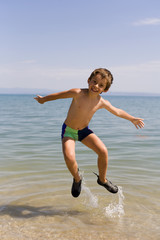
[{"x": 86, "y": 107}]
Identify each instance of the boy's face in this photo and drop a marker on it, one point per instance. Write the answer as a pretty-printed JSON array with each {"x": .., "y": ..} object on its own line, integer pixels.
[{"x": 97, "y": 84}]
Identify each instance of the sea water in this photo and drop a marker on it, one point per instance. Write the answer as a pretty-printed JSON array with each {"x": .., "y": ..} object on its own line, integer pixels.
[{"x": 35, "y": 185}]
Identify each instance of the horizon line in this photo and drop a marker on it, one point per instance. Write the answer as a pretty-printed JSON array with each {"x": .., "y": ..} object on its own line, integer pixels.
[{"x": 43, "y": 91}]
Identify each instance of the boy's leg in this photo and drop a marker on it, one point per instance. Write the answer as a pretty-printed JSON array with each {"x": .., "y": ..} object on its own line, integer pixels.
[
  {"x": 94, "y": 142},
  {"x": 68, "y": 146}
]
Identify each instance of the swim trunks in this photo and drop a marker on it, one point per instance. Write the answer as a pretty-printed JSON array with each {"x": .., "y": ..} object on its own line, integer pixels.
[{"x": 77, "y": 135}]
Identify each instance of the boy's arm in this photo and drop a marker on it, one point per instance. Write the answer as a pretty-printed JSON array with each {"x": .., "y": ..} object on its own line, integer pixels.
[
  {"x": 138, "y": 122},
  {"x": 65, "y": 94}
]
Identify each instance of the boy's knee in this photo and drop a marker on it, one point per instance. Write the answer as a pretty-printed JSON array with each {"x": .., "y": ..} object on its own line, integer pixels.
[
  {"x": 69, "y": 156},
  {"x": 103, "y": 152}
]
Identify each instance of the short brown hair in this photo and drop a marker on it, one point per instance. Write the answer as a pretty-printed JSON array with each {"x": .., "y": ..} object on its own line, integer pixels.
[{"x": 104, "y": 74}]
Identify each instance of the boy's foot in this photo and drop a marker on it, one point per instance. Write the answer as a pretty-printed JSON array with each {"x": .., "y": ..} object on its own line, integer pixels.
[
  {"x": 108, "y": 185},
  {"x": 76, "y": 188}
]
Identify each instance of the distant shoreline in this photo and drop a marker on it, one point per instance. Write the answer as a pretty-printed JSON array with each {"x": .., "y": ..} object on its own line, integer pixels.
[{"x": 27, "y": 91}]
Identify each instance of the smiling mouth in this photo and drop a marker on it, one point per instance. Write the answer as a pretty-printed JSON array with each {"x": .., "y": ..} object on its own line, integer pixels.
[{"x": 94, "y": 90}]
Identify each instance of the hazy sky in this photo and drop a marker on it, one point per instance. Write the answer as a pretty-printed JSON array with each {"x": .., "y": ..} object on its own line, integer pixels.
[{"x": 56, "y": 44}]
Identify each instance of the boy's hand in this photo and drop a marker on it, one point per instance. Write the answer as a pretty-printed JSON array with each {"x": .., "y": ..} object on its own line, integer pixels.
[
  {"x": 138, "y": 122},
  {"x": 39, "y": 99}
]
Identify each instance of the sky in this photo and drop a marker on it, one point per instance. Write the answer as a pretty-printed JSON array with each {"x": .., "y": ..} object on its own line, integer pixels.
[{"x": 56, "y": 44}]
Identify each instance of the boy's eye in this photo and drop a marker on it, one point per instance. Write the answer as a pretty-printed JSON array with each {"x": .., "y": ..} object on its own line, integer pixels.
[{"x": 101, "y": 86}]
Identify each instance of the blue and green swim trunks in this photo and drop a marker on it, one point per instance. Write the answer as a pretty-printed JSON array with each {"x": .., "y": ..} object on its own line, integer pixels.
[{"x": 77, "y": 135}]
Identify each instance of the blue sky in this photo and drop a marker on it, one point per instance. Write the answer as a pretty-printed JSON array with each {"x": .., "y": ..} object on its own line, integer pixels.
[{"x": 56, "y": 44}]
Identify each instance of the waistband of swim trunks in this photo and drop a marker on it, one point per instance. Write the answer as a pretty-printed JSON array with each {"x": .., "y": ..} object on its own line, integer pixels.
[{"x": 72, "y": 129}]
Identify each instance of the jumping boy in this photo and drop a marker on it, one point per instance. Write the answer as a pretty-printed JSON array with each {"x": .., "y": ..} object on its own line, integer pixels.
[{"x": 85, "y": 102}]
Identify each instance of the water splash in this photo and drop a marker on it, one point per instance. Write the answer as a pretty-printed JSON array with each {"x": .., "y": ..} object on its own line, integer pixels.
[
  {"x": 90, "y": 199},
  {"x": 113, "y": 209}
]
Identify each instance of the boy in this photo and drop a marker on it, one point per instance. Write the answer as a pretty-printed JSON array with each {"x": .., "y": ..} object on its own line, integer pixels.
[{"x": 85, "y": 102}]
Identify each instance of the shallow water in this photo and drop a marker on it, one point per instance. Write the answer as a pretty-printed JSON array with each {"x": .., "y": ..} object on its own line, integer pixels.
[{"x": 35, "y": 185}]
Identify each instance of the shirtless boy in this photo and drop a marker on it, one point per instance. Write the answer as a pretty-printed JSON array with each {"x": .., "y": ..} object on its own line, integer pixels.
[{"x": 85, "y": 102}]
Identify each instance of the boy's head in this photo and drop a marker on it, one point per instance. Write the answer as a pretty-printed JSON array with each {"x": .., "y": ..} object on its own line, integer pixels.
[{"x": 105, "y": 74}]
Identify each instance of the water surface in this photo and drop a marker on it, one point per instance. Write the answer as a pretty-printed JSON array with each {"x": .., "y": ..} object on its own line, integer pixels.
[{"x": 35, "y": 185}]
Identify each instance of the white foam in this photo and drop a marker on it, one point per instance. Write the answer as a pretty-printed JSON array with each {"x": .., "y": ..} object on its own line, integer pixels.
[{"x": 116, "y": 209}]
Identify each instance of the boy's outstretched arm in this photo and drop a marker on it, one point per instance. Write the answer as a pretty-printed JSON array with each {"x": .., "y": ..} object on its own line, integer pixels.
[
  {"x": 65, "y": 94},
  {"x": 138, "y": 122}
]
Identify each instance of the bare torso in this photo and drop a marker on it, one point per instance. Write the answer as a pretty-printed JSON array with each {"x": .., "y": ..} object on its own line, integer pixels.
[{"x": 82, "y": 108}]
